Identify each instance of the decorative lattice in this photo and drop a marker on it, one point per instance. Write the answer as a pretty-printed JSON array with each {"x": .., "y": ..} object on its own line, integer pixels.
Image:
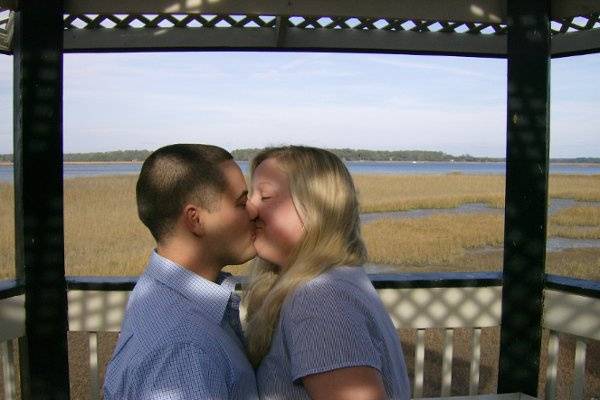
[
  {"x": 259, "y": 21},
  {"x": 167, "y": 21},
  {"x": 575, "y": 24},
  {"x": 4, "y": 14},
  {"x": 129, "y": 21},
  {"x": 411, "y": 25},
  {"x": 5, "y": 35}
]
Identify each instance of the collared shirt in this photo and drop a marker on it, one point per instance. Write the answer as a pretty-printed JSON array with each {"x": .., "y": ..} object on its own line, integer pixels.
[
  {"x": 180, "y": 339},
  {"x": 335, "y": 320}
]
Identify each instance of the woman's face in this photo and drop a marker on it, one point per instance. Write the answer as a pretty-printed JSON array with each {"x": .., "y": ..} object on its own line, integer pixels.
[{"x": 278, "y": 226}]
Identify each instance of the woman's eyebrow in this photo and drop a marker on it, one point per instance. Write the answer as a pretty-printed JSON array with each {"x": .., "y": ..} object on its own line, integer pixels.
[{"x": 262, "y": 185}]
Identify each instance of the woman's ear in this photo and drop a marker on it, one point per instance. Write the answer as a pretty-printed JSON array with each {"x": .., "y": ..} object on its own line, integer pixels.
[{"x": 193, "y": 220}]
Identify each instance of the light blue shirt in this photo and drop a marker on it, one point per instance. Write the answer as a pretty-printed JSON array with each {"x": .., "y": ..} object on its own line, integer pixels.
[
  {"x": 334, "y": 321},
  {"x": 180, "y": 339}
]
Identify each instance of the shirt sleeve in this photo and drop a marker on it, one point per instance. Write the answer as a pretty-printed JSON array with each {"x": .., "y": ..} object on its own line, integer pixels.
[
  {"x": 325, "y": 329},
  {"x": 182, "y": 371}
]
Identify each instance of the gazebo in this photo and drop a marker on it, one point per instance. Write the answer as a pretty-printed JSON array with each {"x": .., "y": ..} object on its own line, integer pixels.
[{"x": 39, "y": 307}]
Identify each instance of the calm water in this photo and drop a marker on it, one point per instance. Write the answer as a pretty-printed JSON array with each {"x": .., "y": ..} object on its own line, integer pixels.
[{"x": 400, "y": 168}]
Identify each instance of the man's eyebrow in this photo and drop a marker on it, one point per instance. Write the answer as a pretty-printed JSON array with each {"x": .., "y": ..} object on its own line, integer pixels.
[{"x": 241, "y": 196}]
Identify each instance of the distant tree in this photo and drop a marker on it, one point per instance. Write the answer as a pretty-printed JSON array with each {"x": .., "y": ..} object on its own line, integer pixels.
[{"x": 344, "y": 153}]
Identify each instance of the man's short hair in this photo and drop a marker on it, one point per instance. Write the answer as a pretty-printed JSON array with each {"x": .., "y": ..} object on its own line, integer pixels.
[{"x": 175, "y": 175}]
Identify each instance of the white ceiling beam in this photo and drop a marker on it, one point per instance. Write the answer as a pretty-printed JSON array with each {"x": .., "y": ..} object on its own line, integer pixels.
[
  {"x": 491, "y": 11},
  {"x": 573, "y": 8},
  {"x": 78, "y": 40},
  {"x": 574, "y": 43},
  {"x": 8, "y": 4}
]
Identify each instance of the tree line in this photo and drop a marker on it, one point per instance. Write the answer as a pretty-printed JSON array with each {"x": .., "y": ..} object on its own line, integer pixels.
[{"x": 344, "y": 154}]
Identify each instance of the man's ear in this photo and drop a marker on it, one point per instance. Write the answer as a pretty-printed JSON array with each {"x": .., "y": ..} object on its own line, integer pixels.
[{"x": 193, "y": 219}]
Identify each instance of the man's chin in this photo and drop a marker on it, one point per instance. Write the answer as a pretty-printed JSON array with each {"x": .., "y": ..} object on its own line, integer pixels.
[{"x": 248, "y": 257}]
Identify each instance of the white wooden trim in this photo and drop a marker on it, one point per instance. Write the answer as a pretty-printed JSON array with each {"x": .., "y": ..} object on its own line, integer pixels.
[
  {"x": 8, "y": 370},
  {"x": 443, "y": 307},
  {"x": 475, "y": 362},
  {"x": 573, "y": 42},
  {"x": 446, "y": 10},
  {"x": 94, "y": 371},
  {"x": 295, "y": 38},
  {"x": 419, "y": 364},
  {"x": 571, "y": 313},
  {"x": 552, "y": 365},
  {"x": 447, "y": 362},
  {"x": 579, "y": 380},
  {"x": 12, "y": 317},
  {"x": 504, "y": 396},
  {"x": 572, "y": 8}
]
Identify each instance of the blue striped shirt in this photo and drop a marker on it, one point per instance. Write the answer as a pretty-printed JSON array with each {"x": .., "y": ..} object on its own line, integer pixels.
[
  {"x": 334, "y": 321},
  {"x": 180, "y": 340}
]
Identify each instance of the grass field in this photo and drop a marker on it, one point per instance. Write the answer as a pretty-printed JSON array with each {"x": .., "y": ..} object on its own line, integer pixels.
[
  {"x": 403, "y": 192},
  {"x": 104, "y": 237}
]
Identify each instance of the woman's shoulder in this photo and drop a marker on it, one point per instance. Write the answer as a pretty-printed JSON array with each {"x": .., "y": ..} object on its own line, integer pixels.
[
  {"x": 338, "y": 277},
  {"x": 338, "y": 286}
]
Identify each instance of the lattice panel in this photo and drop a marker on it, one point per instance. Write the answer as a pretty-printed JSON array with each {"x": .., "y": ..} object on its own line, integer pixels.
[
  {"x": 4, "y": 14},
  {"x": 121, "y": 21},
  {"x": 5, "y": 36},
  {"x": 256, "y": 21},
  {"x": 167, "y": 21},
  {"x": 576, "y": 24},
  {"x": 396, "y": 25}
]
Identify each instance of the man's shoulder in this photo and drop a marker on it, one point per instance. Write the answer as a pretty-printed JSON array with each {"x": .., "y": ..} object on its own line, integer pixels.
[{"x": 156, "y": 312}]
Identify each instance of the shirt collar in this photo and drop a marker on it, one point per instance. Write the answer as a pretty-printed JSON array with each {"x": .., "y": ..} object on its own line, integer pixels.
[{"x": 208, "y": 297}]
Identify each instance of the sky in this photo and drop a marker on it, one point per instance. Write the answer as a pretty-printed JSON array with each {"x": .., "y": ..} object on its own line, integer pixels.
[{"x": 239, "y": 99}]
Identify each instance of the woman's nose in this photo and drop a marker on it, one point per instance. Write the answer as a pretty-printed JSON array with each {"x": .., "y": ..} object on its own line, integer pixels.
[{"x": 251, "y": 208}]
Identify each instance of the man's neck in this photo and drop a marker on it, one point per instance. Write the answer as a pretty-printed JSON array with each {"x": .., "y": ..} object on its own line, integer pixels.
[{"x": 191, "y": 260}]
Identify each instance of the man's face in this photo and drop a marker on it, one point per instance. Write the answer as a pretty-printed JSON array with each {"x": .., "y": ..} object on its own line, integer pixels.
[{"x": 229, "y": 230}]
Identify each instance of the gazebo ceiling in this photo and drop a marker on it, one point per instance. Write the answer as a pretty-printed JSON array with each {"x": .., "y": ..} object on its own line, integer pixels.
[{"x": 452, "y": 27}]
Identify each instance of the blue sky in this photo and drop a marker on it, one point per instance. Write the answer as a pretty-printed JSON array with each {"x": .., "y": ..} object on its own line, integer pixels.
[{"x": 236, "y": 100}]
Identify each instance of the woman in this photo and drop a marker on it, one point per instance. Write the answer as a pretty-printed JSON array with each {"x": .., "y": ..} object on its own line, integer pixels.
[{"x": 315, "y": 325}]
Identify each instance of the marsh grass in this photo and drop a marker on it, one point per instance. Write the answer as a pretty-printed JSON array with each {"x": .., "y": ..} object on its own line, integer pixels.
[
  {"x": 7, "y": 231},
  {"x": 431, "y": 241},
  {"x": 576, "y": 222},
  {"x": 103, "y": 235},
  {"x": 401, "y": 192},
  {"x": 404, "y": 192}
]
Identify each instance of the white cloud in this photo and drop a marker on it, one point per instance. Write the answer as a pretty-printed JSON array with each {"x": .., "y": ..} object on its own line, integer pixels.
[
  {"x": 436, "y": 64},
  {"x": 121, "y": 101}
]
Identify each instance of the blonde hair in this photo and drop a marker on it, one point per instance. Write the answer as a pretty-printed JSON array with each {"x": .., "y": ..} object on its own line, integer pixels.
[{"x": 323, "y": 193}]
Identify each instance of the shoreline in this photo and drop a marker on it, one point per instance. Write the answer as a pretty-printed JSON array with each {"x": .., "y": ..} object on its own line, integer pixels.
[
  {"x": 10, "y": 164},
  {"x": 575, "y": 164}
]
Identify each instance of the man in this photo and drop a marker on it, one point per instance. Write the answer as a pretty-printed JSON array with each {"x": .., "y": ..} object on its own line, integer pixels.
[{"x": 181, "y": 336}]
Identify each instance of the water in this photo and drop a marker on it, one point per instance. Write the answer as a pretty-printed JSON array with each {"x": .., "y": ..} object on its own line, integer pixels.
[
  {"x": 426, "y": 212},
  {"x": 355, "y": 167}
]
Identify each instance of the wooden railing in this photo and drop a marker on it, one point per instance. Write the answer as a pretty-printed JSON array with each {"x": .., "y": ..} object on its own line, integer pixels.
[
  {"x": 416, "y": 301},
  {"x": 12, "y": 327}
]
